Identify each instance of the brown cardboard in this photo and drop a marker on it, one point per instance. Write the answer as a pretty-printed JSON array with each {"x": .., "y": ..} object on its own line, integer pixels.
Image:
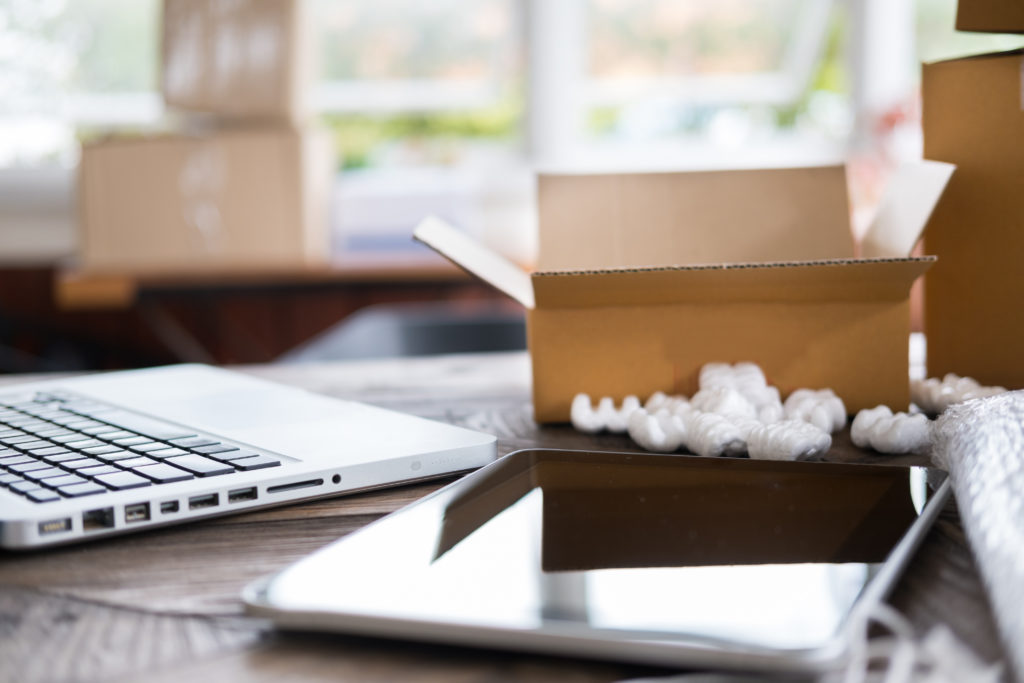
[
  {"x": 653, "y": 219},
  {"x": 236, "y": 58},
  {"x": 990, "y": 16},
  {"x": 609, "y": 330},
  {"x": 234, "y": 199},
  {"x": 973, "y": 115}
]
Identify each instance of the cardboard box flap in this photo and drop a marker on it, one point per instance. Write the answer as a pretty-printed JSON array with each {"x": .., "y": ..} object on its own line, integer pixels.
[
  {"x": 476, "y": 259},
  {"x": 662, "y": 219},
  {"x": 834, "y": 280},
  {"x": 910, "y": 197}
]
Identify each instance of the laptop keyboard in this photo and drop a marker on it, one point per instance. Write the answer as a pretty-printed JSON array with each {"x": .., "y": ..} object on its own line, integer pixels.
[{"x": 57, "y": 445}]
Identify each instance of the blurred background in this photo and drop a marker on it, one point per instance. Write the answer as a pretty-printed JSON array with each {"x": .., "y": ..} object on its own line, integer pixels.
[{"x": 445, "y": 107}]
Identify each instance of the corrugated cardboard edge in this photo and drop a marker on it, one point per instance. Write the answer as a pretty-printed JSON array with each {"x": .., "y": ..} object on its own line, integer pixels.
[{"x": 738, "y": 266}]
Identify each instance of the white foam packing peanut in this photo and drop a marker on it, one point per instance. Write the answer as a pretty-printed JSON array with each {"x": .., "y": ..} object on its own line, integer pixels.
[
  {"x": 822, "y": 408},
  {"x": 748, "y": 381},
  {"x": 880, "y": 429},
  {"x": 933, "y": 395},
  {"x": 787, "y": 440},
  {"x": 723, "y": 401},
  {"x": 711, "y": 434},
  {"x": 735, "y": 411},
  {"x": 662, "y": 432},
  {"x": 606, "y": 417}
]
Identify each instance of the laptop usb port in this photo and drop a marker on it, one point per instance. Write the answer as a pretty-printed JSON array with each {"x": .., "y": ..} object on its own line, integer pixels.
[
  {"x": 101, "y": 518},
  {"x": 239, "y": 495},
  {"x": 206, "y": 501},
  {"x": 136, "y": 513},
  {"x": 54, "y": 526}
]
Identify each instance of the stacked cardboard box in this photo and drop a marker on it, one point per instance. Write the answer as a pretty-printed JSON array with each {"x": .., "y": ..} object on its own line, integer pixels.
[
  {"x": 973, "y": 110},
  {"x": 245, "y": 184}
]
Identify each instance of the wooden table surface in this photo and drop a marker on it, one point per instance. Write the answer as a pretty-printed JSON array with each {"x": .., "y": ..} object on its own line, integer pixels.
[{"x": 164, "y": 605}]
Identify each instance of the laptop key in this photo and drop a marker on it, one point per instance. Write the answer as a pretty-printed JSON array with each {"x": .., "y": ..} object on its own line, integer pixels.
[
  {"x": 123, "y": 480},
  {"x": 144, "y": 425},
  {"x": 54, "y": 431},
  {"x": 92, "y": 472},
  {"x": 51, "y": 450},
  {"x": 9, "y": 460},
  {"x": 42, "y": 495},
  {"x": 147, "y": 447},
  {"x": 116, "y": 455},
  {"x": 30, "y": 445},
  {"x": 118, "y": 434},
  {"x": 23, "y": 486},
  {"x": 8, "y": 478},
  {"x": 162, "y": 473},
  {"x": 84, "y": 489},
  {"x": 28, "y": 466},
  {"x": 58, "y": 458},
  {"x": 100, "y": 450},
  {"x": 132, "y": 463},
  {"x": 101, "y": 430},
  {"x": 80, "y": 463},
  {"x": 84, "y": 443},
  {"x": 48, "y": 473},
  {"x": 192, "y": 442},
  {"x": 256, "y": 462},
  {"x": 124, "y": 442},
  {"x": 81, "y": 424},
  {"x": 166, "y": 452},
  {"x": 231, "y": 456},
  {"x": 15, "y": 440},
  {"x": 214, "y": 448},
  {"x": 66, "y": 480},
  {"x": 200, "y": 465}
]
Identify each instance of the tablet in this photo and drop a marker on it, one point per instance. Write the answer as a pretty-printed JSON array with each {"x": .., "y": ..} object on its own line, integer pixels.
[{"x": 659, "y": 559}]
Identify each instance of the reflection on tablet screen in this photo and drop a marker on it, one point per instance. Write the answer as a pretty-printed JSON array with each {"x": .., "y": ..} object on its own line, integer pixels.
[{"x": 647, "y": 547}]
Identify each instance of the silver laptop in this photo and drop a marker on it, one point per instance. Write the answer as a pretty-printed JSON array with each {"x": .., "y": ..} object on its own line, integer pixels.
[{"x": 104, "y": 454}]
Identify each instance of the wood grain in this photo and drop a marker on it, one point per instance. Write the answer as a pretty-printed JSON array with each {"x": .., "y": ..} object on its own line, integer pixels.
[{"x": 164, "y": 605}]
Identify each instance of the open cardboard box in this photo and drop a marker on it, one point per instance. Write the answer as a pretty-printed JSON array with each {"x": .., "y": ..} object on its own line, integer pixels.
[{"x": 643, "y": 278}]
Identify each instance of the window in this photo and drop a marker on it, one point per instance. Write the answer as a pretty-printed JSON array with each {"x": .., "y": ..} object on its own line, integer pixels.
[{"x": 451, "y": 101}]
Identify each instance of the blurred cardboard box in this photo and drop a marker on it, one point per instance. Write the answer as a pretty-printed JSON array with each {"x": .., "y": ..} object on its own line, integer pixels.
[
  {"x": 643, "y": 278},
  {"x": 237, "y": 58},
  {"x": 973, "y": 116},
  {"x": 229, "y": 199},
  {"x": 990, "y": 16}
]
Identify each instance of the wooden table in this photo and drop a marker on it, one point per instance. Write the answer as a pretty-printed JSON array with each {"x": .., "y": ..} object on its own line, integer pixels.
[{"x": 163, "y": 605}]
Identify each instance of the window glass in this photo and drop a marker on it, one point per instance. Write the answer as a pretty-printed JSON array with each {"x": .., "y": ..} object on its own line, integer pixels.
[
  {"x": 64, "y": 63},
  {"x": 721, "y": 73},
  {"x": 411, "y": 83}
]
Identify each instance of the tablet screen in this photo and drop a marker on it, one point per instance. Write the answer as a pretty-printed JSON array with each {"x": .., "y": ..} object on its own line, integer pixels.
[{"x": 651, "y": 547}]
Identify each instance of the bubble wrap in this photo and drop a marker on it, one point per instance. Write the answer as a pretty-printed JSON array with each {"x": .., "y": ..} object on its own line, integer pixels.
[{"x": 981, "y": 443}]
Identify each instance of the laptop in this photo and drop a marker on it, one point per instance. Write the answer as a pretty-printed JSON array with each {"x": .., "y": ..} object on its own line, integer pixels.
[{"x": 92, "y": 456}]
